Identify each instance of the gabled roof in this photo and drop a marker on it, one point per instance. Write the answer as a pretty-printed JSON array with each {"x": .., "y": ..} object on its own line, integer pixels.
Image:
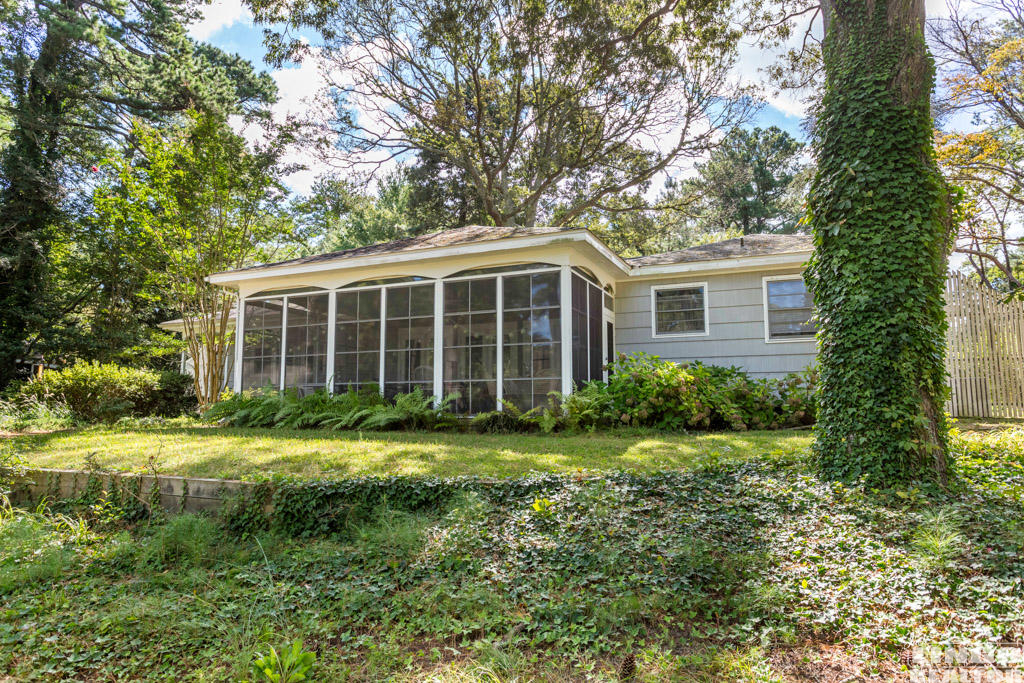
[
  {"x": 445, "y": 238},
  {"x": 750, "y": 245}
]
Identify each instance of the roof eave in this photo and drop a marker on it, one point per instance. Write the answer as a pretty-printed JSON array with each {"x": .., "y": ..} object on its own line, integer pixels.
[
  {"x": 232, "y": 277},
  {"x": 724, "y": 265}
]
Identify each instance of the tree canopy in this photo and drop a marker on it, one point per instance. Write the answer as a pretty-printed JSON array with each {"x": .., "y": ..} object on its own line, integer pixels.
[
  {"x": 195, "y": 201},
  {"x": 548, "y": 109},
  {"x": 73, "y": 75}
]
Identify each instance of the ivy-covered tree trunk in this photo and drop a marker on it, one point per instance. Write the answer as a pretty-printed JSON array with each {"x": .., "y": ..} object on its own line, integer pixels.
[{"x": 879, "y": 210}]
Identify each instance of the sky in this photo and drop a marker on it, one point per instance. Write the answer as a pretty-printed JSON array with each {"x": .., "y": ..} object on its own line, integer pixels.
[{"x": 228, "y": 25}]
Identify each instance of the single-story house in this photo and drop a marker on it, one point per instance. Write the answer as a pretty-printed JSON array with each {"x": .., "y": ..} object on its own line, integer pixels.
[{"x": 515, "y": 313}]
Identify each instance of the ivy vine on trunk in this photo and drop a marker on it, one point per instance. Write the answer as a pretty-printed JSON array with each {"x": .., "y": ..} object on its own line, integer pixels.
[{"x": 881, "y": 218}]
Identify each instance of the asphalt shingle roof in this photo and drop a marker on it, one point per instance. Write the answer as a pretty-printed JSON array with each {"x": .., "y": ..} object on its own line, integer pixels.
[
  {"x": 750, "y": 245},
  {"x": 444, "y": 238}
]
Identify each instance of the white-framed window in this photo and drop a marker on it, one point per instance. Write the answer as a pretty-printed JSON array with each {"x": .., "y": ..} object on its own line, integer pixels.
[
  {"x": 788, "y": 309},
  {"x": 679, "y": 310}
]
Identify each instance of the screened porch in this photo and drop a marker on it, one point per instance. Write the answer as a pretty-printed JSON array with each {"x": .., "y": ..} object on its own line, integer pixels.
[{"x": 512, "y": 333}]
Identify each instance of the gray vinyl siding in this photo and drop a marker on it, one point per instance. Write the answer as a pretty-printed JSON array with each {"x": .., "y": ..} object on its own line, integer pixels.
[{"x": 736, "y": 326}]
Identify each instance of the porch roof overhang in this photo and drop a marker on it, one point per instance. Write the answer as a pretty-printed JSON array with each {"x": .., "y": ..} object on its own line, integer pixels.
[{"x": 578, "y": 239}]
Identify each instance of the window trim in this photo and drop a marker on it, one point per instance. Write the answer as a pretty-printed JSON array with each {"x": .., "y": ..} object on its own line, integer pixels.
[
  {"x": 804, "y": 338},
  {"x": 676, "y": 335}
]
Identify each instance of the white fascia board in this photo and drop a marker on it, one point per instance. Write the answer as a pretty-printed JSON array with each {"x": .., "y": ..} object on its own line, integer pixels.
[
  {"x": 508, "y": 243},
  {"x": 178, "y": 325},
  {"x": 729, "y": 265}
]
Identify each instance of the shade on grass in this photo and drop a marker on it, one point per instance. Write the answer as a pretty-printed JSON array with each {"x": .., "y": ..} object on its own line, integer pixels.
[{"x": 246, "y": 453}]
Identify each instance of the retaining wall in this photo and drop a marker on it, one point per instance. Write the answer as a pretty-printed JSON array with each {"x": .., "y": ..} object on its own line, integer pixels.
[{"x": 177, "y": 494}]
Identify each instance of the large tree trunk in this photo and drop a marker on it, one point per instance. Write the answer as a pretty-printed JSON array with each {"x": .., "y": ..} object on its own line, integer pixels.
[{"x": 879, "y": 209}]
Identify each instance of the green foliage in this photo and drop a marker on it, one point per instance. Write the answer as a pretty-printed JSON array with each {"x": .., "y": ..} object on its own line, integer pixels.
[
  {"x": 21, "y": 413},
  {"x": 752, "y": 183},
  {"x": 195, "y": 200},
  {"x": 181, "y": 541},
  {"x": 364, "y": 409},
  {"x": 94, "y": 392},
  {"x": 175, "y": 395},
  {"x": 879, "y": 211},
  {"x": 508, "y": 420},
  {"x": 80, "y": 72},
  {"x": 647, "y": 391},
  {"x": 290, "y": 666},
  {"x": 938, "y": 539},
  {"x": 426, "y": 196},
  {"x": 607, "y": 79},
  {"x": 546, "y": 577}
]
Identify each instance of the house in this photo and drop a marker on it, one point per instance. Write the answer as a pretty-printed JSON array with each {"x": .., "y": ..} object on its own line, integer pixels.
[{"x": 515, "y": 313}]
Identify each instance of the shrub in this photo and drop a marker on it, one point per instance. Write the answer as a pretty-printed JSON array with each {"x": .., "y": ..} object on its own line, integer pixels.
[
  {"x": 648, "y": 391},
  {"x": 95, "y": 391},
  {"x": 175, "y": 395},
  {"x": 589, "y": 407}
]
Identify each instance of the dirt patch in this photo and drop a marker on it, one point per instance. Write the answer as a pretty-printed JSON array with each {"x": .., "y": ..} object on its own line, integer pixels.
[{"x": 823, "y": 663}]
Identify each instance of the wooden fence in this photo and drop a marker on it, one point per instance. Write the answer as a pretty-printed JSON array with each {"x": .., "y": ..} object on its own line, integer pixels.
[{"x": 984, "y": 351}]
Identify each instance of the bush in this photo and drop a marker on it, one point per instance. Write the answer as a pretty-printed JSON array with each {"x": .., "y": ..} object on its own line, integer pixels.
[
  {"x": 646, "y": 391},
  {"x": 94, "y": 391},
  {"x": 175, "y": 395}
]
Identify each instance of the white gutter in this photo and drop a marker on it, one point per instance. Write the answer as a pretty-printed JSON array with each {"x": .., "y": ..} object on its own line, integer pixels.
[{"x": 523, "y": 242}]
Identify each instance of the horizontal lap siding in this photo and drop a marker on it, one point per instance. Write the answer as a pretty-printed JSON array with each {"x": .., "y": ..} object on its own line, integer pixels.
[{"x": 736, "y": 313}]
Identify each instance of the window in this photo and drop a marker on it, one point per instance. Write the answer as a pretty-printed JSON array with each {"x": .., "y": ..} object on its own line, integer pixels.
[
  {"x": 788, "y": 308},
  {"x": 409, "y": 340},
  {"x": 470, "y": 344},
  {"x": 679, "y": 310},
  {"x": 261, "y": 343},
  {"x": 587, "y": 317},
  {"x": 357, "y": 340},
  {"x": 305, "y": 365},
  {"x": 531, "y": 334}
]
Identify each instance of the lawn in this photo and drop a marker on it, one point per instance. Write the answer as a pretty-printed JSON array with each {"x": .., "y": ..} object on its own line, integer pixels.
[
  {"x": 754, "y": 570},
  {"x": 234, "y": 453}
]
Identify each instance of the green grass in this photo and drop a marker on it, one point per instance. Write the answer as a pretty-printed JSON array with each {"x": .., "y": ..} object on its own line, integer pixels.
[
  {"x": 742, "y": 571},
  {"x": 233, "y": 453}
]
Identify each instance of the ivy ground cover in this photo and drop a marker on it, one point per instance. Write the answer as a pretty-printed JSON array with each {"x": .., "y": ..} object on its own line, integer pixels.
[
  {"x": 753, "y": 570},
  {"x": 233, "y": 453}
]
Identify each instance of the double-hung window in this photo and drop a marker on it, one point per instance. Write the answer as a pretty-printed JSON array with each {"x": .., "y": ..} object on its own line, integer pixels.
[
  {"x": 680, "y": 310},
  {"x": 788, "y": 309}
]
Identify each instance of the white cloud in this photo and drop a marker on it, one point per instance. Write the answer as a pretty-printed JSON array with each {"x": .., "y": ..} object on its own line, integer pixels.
[{"x": 218, "y": 15}]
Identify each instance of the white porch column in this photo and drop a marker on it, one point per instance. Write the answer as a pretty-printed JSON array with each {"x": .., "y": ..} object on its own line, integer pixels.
[
  {"x": 565, "y": 291},
  {"x": 332, "y": 314},
  {"x": 236, "y": 381},
  {"x": 284, "y": 339},
  {"x": 383, "y": 321},
  {"x": 499, "y": 330},
  {"x": 438, "y": 341}
]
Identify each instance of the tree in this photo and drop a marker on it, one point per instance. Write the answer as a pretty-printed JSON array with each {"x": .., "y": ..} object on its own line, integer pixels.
[
  {"x": 750, "y": 184},
  {"x": 549, "y": 109},
  {"x": 72, "y": 72},
  {"x": 982, "y": 55},
  {"x": 881, "y": 217},
  {"x": 441, "y": 196},
  {"x": 196, "y": 202},
  {"x": 427, "y": 196}
]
